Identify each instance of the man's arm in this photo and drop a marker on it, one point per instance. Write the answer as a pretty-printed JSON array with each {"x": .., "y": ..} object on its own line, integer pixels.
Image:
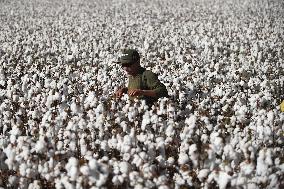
[
  {"x": 139, "y": 92},
  {"x": 155, "y": 85},
  {"x": 120, "y": 92},
  {"x": 156, "y": 88}
]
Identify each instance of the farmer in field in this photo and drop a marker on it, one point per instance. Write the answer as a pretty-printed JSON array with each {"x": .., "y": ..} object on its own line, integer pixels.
[{"x": 143, "y": 84}]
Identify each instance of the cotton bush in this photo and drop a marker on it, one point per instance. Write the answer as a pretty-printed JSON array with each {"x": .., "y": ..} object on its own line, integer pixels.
[{"x": 61, "y": 126}]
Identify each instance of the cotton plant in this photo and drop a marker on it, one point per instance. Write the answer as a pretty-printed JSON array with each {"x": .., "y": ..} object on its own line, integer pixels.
[{"x": 220, "y": 127}]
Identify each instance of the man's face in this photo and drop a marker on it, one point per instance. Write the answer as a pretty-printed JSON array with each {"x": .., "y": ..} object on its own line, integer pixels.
[{"x": 131, "y": 69}]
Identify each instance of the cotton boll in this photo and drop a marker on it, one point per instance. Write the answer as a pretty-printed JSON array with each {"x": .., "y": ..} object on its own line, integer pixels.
[
  {"x": 126, "y": 157},
  {"x": 163, "y": 187},
  {"x": 72, "y": 145},
  {"x": 69, "y": 57},
  {"x": 160, "y": 142},
  {"x": 135, "y": 178},
  {"x": 161, "y": 160},
  {"x": 220, "y": 177},
  {"x": 85, "y": 170},
  {"x": 178, "y": 179},
  {"x": 151, "y": 151},
  {"x": 112, "y": 143},
  {"x": 40, "y": 146},
  {"x": 132, "y": 114},
  {"x": 193, "y": 154},
  {"x": 75, "y": 107},
  {"x": 184, "y": 146},
  {"x": 202, "y": 174},
  {"x": 270, "y": 116},
  {"x": 15, "y": 131},
  {"x": 116, "y": 170},
  {"x": 41, "y": 168},
  {"x": 223, "y": 180},
  {"x": 204, "y": 138},
  {"x": 145, "y": 120},
  {"x": 124, "y": 126},
  {"x": 217, "y": 143},
  {"x": 225, "y": 107},
  {"x": 171, "y": 110},
  {"x": 34, "y": 185},
  {"x": 137, "y": 160},
  {"x": 58, "y": 184},
  {"x": 154, "y": 119},
  {"x": 161, "y": 180},
  {"x": 149, "y": 171},
  {"x": 124, "y": 167},
  {"x": 113, "y": 104},
  {"x": 261, "y": 166},
  {"x": 22, "y": 169},
  {"x": 138, "y": 186},
  {"x": 191, "y": 125},
  {"x": 82, "y": 124},
  {"x": 125, "y": 148},
  {"x": 104, "y": 146},
  {"x": 247, "y": 167},
  {"x": 241, "y": 111},
  {"x": 3, "y": 165},
  {"x": 240, "y": 180},
  {"x": 52, "y": 84},
  {"x": 268, "y": 158},
  {"x": 183, "y": 159},
  {"x": 98, "y": 172},
  {"x": 116, "y": 180},
  {"x": 13, "y": 180},
  {"x": 44, "y": 170},
  {"x": 229, "y": 152},
  {"x": 149, "y": 184},
  {"x": 170, "y": 160},
  {"x": 59, "y": 145},
  {"x": 66, "y": 183},
  {"x": 144, "y": 156},
  {"x": 83, "y": 150},
  {"x": 49, "y": 101},
  {"x": 72, "y": 168},
  {"x": 117, "y": 120},
  {"x": 233, "y": 120},
  {"x": 170, "y": 131},
  {"x": 142, "y": 137},
  {"x": 35, "y": 114},
  {"x": 90, "y": 101},
  {"x": 23, "y": 182},
  {"x": 104, "y": 159},
  {"x": 274, "y": 181}
]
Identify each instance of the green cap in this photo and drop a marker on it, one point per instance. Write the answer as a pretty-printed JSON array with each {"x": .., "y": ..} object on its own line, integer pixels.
[{"x": 128, "y": 56}]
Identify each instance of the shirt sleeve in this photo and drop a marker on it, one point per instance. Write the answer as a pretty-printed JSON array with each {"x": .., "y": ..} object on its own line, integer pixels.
[{"x": 155, "y": 84}]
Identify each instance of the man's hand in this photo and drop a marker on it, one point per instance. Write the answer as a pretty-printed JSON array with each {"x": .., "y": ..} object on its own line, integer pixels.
[
  {"x": 120, "y": 92},
  {"x": 135, "y": 92}
]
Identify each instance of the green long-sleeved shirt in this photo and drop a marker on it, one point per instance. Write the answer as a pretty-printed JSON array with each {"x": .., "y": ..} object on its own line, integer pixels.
[{"x": 147, "y": 80}]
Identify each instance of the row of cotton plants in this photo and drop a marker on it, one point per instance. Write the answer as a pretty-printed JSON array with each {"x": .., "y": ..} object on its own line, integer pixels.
[{"x": 62, "y": 127}]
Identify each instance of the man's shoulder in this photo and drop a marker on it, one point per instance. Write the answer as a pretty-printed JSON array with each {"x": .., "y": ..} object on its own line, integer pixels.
[
  {"x": 149, "y": 77},
  {"x": 149, "y": 73}
]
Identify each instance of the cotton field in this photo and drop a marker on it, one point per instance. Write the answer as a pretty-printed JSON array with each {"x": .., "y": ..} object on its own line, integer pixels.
[{"x": 62, "y": 127}]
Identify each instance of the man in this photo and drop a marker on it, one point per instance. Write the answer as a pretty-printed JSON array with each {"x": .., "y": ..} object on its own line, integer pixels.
[{"x": 143, "y": 84}]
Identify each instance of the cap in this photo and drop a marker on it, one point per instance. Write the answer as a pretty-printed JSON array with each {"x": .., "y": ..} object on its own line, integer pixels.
[{"x": 128, "y": 56}]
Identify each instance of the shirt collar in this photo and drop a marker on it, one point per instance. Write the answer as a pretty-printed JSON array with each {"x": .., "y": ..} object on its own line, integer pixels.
[{"x": 139, "y": 72}]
